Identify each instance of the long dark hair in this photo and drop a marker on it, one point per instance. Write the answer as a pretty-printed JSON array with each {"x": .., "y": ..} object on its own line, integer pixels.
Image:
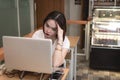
[{"x": 59, "y": 18}]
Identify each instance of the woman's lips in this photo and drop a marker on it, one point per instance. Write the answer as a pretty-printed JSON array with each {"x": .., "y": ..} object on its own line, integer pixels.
[{"x": 47, "y": 35}]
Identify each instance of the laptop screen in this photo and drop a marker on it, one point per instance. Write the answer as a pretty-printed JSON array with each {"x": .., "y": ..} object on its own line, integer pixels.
[{"x": 27, "y": 54}]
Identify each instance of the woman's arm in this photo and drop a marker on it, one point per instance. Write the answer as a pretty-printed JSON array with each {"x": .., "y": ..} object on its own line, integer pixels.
[
  {"x": 60, "y": 52},
  {"x": 59, "y": 56}
]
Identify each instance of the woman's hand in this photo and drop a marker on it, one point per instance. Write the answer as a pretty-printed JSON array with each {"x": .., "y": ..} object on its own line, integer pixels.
[{"x": 60, "y": 34}]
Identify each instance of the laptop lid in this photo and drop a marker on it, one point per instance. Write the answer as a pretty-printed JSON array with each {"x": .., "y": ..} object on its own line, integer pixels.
[{"x": 27, "y": 54}]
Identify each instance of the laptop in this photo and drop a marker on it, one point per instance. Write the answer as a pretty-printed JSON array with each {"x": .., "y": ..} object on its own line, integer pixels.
[{"x": 28, "y": 54}]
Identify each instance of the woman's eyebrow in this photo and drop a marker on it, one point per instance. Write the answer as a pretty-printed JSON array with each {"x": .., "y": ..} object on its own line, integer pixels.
[
  {"x": 47, "y": 25},
  {"x": 51, "y": 26}
]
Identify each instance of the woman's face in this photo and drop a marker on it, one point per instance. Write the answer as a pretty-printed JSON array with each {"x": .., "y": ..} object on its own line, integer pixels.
[{"x": 50, "y": 29}]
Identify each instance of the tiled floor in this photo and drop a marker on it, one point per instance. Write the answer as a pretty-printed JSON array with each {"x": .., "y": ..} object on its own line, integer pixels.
[{"x": 85, "y": 73}]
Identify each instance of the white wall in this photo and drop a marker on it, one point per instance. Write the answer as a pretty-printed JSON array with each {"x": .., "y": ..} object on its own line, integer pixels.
[
  {"x": 72, "y": 12},
  {"x": 32, "y": 15}
]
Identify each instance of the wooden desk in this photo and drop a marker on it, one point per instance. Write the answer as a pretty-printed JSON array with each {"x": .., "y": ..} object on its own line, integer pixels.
[
  {"x": 1, "y": 54},
  {"x": 73, "y": 46},
  {"x": 32, "y": 77},
  {"x": 73, "y": 40}
]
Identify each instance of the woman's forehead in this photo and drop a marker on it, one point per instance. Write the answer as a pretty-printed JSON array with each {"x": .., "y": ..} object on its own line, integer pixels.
[{"x": 52, "y": 23}]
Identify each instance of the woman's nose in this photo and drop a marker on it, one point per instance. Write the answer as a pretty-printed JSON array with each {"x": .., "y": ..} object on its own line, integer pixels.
[{"x": 49, "y": 30}]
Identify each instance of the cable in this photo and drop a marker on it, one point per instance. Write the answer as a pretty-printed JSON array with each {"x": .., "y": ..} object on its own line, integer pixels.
[{"x": 11, "y": 73}]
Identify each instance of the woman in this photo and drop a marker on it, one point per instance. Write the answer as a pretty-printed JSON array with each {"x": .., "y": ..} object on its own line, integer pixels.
[{"x": 54, "y": 28}]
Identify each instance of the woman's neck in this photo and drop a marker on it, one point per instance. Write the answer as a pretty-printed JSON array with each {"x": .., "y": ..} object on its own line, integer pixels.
[{"x": 53, "y": 40}]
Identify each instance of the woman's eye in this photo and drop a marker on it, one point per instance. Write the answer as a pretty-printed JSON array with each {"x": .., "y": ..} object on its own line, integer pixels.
[
  {"x": 54, "y": 29},
  {"x": 47, "y": 25}
]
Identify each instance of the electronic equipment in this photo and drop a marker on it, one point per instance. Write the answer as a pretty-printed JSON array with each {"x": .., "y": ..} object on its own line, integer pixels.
[{"x": 28, "y": 54}]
